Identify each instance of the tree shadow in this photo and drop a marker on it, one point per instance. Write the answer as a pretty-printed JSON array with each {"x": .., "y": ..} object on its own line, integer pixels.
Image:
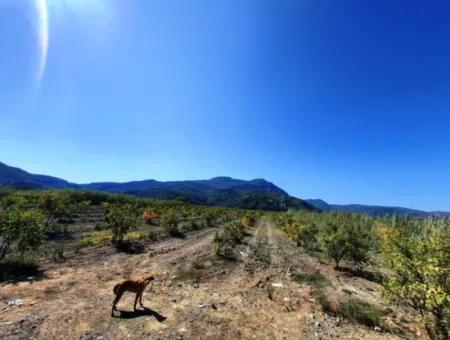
[
  {"x": 130, "y": 247},
  {"x": 141, "y": 312},
  {"x": 17, "y": 271},
  {"x": 376, "y": 277}
]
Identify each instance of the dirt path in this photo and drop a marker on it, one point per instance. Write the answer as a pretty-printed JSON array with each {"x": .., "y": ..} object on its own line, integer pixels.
[{"x": 195, "y": 296}]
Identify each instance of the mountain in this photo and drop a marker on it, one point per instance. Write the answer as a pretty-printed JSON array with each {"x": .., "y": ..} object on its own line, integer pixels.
[
  {"x": 218, "y": 191},
  {"x": 18, "y": 178},
  {"x": 373, "y": 210}
]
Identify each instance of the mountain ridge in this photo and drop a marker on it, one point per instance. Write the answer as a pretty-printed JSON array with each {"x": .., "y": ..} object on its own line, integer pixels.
[
  {"x": 220, "y": 191},
  {"x": 217, "y": 191}
]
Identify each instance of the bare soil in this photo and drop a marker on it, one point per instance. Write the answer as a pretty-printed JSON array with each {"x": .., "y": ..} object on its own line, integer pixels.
[{"x": 196, "y": 295}]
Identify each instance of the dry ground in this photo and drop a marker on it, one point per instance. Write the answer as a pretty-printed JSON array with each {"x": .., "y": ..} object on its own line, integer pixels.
[{"x": 196, "y": 296}]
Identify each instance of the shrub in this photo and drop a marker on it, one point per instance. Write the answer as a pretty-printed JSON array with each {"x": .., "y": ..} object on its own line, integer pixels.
[
  {"x": 419, "y": 258},
  {"x": 316, "y": 280},
  {"x": 347, "y": 236},
  {"x": 58, "y": 206},
  {"x": 120, "y": 218},
  {"x": 361, "y": 312},
  {"x": 248, "y": 221},
  {"x": 227, "y": 238},
  {"x": 19, "y": 230},
  {"x": 169, "y": 222}
]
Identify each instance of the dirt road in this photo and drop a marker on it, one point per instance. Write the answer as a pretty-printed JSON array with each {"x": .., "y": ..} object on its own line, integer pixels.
[{"x": 196, "y": 296}]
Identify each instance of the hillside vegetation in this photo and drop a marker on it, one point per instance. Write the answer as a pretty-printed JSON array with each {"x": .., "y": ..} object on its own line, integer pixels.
[{"x": 221, "y": 272}]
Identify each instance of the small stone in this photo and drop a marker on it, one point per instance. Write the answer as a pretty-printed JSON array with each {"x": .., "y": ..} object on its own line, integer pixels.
[
  {"x": 317, "y": 324},
  {"x": 377, "y": 329}
]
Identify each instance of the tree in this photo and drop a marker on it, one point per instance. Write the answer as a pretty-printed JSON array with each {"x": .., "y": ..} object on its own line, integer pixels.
[
  {"x": 169, "y": 222},
  {"x": 58, "y": 205},
  {"x": 420, "y": 261},
  {"x": 120, "y": 218},
  {"x": 347, "y": 236},
  {"x": 19, "y": 230}
]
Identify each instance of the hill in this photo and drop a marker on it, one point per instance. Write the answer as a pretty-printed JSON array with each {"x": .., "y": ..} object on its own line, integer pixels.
[
  {"x": 18, "y": 178},
  {"x": 374, "y": 210},
  {"x": 219, "y": 191}
]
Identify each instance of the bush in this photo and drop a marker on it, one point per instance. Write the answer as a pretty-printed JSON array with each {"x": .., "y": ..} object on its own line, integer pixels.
[
  {"x": 361, "y": 312},
  {"x": 227, "y": 238},
  {"x": 58, "y": 206},
  {"x": 169, "y": 222},
  {"x": 419, "y": 257},
  {"x": 347, "y": 236},
  {"x": 248, "y": 221},
  {"x": 20, "y": 230},
  {"x": 120, "y": 218},
  {"x": 316, "y": 280}
]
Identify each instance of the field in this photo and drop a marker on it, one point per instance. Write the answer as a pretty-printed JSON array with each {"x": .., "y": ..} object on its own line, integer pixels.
[{"x": 220, "y": 273}]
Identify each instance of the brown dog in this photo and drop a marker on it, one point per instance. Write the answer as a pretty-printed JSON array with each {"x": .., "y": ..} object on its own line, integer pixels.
[{"x": 134, "y": 286}]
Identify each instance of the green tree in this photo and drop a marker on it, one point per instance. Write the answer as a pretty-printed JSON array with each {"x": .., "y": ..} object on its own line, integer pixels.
[
  {"x": 347, "y": 237},
  {"x": 19, "y": 230},
  {"x": 120, "y": 218},
  {"x": 59, "y": 205},
  {"x": 169, "y": 222},
  {"x": 420, "y": 261}
]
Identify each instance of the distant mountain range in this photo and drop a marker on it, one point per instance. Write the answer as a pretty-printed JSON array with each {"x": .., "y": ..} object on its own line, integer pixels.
[
  {"x": 218, "y": 191},
  {"x": 373, "y": 210}
]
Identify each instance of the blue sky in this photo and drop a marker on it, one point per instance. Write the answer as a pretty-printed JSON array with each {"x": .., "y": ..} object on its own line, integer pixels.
[{"x": 342, "y": 100}]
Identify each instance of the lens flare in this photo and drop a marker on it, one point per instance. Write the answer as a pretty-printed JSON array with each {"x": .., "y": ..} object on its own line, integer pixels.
[{"x": 43, "y": 36}]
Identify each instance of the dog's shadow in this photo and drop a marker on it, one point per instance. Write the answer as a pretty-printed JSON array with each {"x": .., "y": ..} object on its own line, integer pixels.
[{"x": 141, "y": 312}]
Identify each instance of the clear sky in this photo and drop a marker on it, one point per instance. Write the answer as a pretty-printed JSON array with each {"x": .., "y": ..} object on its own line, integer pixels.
[{"x": 348, "y": 101}]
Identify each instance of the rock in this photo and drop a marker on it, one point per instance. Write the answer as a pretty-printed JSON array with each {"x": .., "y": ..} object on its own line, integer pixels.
[
  {"x": 377, "y": 329},
  {"x": 277, "y": 285},
  {"x": 195, "y": 285},
  {"x": 317, "y": 324},
  {"x": 15, "y": 302},
  {"x": 182, "y": 329}
]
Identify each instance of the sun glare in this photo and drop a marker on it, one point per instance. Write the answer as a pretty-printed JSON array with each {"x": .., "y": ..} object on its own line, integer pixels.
[{"x": 94, "y": 11}]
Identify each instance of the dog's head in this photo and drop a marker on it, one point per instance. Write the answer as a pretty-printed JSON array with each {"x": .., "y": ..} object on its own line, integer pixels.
[{"x": 149, "y": 278}]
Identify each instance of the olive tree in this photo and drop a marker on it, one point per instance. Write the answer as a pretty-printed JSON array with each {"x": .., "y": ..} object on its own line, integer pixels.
[
  {"x": 420, "y": 261},
  {"x": 19, "y": 230}
]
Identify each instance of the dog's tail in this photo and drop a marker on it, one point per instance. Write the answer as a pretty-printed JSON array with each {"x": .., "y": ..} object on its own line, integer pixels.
[{"x": 116, "y": 288}]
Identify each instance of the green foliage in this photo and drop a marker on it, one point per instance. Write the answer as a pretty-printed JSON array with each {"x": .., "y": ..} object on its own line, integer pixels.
[
  {"x": 58, "y": 205},
  {"x": 227, "y": 238},
  {"x": 20, "y": 230},
  {"x": 418, "y": 253},
  {"x": 348, "y": 236},
  {"x": 120, "y": 218},
  {"x": 338, "y": 236},
  {"x": 169, "y": 222},
  {"x": 361, "y": 312},
  {"x": 248, "y": 221},
  {"x": 316, "y": 280}
]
